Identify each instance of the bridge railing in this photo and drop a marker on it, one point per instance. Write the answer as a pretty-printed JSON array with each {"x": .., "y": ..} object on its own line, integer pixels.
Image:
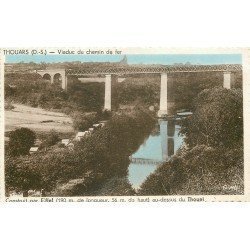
[
  {"x": 155, "y": 69},
  {"x": 143, "y": 161}
]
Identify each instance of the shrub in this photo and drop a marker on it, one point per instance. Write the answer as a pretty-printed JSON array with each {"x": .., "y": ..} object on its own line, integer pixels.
[
  {"x": 51, "y": 139},
  {"x": 20, "y": 141},
  {"x": 21, "y": 177},
  {"x": 200, "y": 171},
  {"x": 8, "y": 105},
  {"x": 83, "y": 121},
  {"x": 105, "y": 154},
  {"x": 105, "y": 115},
  {"x": 117, "y": 187},
  {"x": 214, "y": 158},
  {"x": 217, "y": 119}
]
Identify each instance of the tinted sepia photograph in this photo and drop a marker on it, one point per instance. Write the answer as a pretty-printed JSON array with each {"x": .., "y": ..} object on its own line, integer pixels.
[{"x": 103, "y": 124}]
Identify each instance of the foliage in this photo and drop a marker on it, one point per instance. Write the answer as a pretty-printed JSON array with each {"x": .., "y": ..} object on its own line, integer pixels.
[
  {"x": 51, "y": 139},
  {"x": 144, "y": 90},
  {"x": 86, "y": 96},
  {"x": 20, "y": 176},
  {"x": 116, "y": 187},
  {"x": 20, "y": 141},
  {"x": 141, "y": 89},
  {"x": 200, "y": 171},
  {"x": 8, "y": 105},
  {"x": 217, "y": 119},
  {"x": 212, "y": 162},
  {"x": 32, "y": 89},
  {"x": 83, "y": 121},
  {"x": 105, "y": 154}
]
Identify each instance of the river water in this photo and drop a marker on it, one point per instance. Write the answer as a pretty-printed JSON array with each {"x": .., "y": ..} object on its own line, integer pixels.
[{"x": 159, "y": 147}]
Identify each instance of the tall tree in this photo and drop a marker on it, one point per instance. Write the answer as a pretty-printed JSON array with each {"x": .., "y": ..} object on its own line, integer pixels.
[
  {"x": 217, "y": 119},
  {"x": 20, "y": 141}
]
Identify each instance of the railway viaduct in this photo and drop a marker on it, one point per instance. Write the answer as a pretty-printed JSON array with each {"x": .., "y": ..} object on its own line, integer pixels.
[{"x": 111, "y": 74}]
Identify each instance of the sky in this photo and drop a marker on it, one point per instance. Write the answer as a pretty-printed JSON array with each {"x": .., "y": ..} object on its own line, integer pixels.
[{"x": 166, "y": 59}]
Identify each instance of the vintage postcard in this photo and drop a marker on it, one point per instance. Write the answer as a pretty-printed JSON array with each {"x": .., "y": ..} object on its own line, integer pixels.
[{"x": 124, "y": 125}]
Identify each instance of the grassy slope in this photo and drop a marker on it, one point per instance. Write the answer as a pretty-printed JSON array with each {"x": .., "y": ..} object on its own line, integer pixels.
[{"x": 37, "y": 119}]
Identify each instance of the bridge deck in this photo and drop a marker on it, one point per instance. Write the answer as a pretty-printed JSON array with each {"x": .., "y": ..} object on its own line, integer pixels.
[
  {"x": 144, "y": 161},
  {"x": 154, "y": 69}
]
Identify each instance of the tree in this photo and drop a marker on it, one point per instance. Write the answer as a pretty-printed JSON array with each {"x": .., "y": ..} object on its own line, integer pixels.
[
  {"x": 217, "y": 119},
  {"x": 20, "y": 176},
  {"x": 20, "y": 141},
  {"x": 51, "y": 139},
  {"x": 83, "y": 121},
  {"x": 105, "y": 154}
]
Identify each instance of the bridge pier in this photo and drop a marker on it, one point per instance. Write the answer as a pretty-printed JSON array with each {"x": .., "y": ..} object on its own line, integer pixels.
[
  {"x": 228, "y": 80},
  {"x": 163, "y": 95},
  {"x": 51, "y": 78},
  {"x": 107, "y": 99},
  {"x": 164, "y": 139},
  {"x": 109, "y": 81},
  {"x": 64, "y": 81},
  {"x": 167, "y": 131}
]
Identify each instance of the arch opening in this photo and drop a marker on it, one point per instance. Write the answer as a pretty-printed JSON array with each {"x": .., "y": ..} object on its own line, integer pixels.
[
  {"x": 57, "y": 79},
  {"x": 47, "y": 77}
]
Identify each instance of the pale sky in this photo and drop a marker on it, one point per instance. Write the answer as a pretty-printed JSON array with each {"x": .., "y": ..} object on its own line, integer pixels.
[{"x": 132, "y": 59}]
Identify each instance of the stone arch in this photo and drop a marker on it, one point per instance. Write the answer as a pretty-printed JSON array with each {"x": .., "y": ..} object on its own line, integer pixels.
[
  {"x": 47, "y": 77},
  {"x": 57, "y": 79},
  {"x": 57, "y": 76}
]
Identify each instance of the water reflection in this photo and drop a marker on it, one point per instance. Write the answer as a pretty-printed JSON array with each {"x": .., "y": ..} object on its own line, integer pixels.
[
  {"x": 167, "y": 133},
  {"x": 159, "y": 147}
]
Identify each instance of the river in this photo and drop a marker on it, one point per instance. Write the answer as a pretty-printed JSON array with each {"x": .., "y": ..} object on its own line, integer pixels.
[{"x": 159, "y": 147}]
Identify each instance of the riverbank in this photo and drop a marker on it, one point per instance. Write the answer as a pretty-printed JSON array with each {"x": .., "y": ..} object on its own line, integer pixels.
[
  {"x": 94, "y": 161},
  {"x": 201, "y": 170},
  {"x": 161, "y": 145},
  {"x": 211, "y": 163}
]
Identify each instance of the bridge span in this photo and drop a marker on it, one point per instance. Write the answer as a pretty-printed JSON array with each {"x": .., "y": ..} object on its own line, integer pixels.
[
  {"x": 143, "y": 161},
  {"x": 111, "y": 74}
]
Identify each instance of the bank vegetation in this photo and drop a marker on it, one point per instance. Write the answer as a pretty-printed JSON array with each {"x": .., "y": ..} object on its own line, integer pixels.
[{"x": 211, "y": 160}]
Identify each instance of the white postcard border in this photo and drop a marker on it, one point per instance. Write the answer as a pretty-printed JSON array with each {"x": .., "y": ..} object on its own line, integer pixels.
[{"x": 199, "y": 198}]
